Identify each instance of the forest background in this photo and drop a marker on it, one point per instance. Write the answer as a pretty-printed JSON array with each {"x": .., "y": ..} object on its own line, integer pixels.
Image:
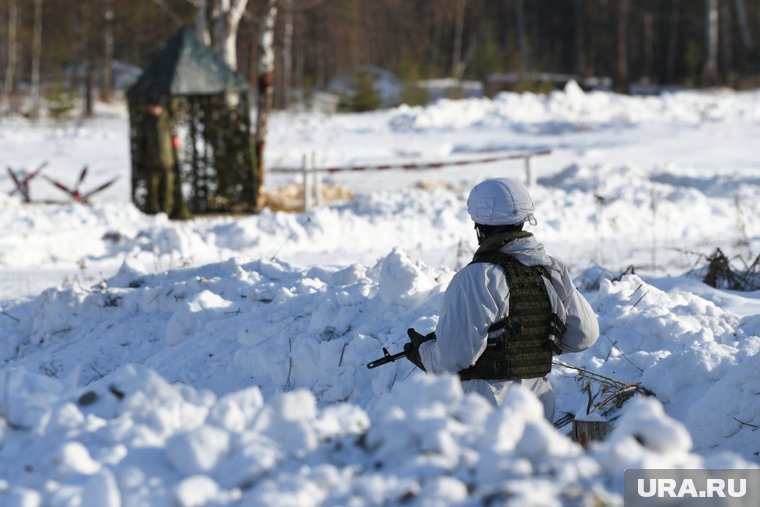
[{"x": 66, "y": 53}]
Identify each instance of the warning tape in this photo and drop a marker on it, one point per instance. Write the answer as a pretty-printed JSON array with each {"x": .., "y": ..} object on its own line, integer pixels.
[{"x": 418, "y": 165}]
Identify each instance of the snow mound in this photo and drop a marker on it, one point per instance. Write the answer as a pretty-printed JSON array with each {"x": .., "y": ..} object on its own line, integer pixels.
[
  {"x": 402, "y": 281},
  {"x": 687, "y": 350},
  {"x": 131, "y": 438}
]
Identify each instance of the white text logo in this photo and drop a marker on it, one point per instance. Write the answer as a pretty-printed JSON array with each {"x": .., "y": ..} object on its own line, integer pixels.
[{"x": 714, "y": 488}]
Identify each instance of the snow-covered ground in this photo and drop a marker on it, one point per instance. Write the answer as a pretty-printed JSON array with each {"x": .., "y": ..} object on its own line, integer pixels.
[{"x": 221, "y": 361}]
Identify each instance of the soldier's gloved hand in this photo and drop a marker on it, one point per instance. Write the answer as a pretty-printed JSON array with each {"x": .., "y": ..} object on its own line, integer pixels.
[
  {"x": 418, "y": 338},
  {"x": 412, "y": 349},
  {"x": 413, "y": 355}
]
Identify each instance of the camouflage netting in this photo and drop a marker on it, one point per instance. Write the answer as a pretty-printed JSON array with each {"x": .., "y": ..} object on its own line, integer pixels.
[{"x": 208, "y": 105}]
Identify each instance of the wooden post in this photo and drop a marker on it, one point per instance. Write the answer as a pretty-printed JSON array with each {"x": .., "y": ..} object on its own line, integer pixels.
[
  {"x": 317, "y": 180},
  {"x": 530, "y": 180},
  {"x": 584, "y": 432},
  {"x": 306, "y": 186}
]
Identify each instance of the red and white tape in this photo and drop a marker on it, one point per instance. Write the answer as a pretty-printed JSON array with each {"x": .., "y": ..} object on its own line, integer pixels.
[{"x": 419, "y": 165}]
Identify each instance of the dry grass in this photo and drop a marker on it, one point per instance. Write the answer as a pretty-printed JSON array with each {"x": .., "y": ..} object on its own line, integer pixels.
[
  {"x": 719, "y": 273},
  {"x": 290, "y": 198}
]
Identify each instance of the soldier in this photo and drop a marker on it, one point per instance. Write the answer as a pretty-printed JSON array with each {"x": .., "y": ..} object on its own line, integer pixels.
[
  {"x": 507, "y": 312},
  {"x": 158, "y": 158}
]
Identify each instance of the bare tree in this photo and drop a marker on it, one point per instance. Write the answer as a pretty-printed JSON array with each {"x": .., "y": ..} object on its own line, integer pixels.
[
  {"x": 87, "y": 69},
  {"x": 10, "y": 69},
  {"x": 670, "y": 69},
  {"x": 522, "y": 36},
  {"x": 648, "y": 44},
  {"x": 225, "y": 19},
  {"x": 457, "y": 65},
  {"x": 201, "y": 21},
  {"x": 286, "y": 56},
  {"x": 580, "y": 61},
  {"x": 265, "y": 82},
  {"x": 36, "y": 59},
  {"x": 106, "y": 87},
  {"x": 621, "y": 69},
  {"x": 741, "y": 16},
  {"x": 710, "y": 69}
]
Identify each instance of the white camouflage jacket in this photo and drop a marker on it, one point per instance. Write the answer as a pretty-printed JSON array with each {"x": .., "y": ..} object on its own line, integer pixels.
[{"x": 478, "y": 296}]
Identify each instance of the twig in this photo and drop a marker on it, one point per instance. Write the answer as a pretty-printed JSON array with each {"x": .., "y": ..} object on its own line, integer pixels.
[
  {"x": 610, "y": 352},
  {"x": 9, "y": 315},
  {"x": 290, "y": 237},
  {"x": 639, "y": 300},
  {"x": 628, "y": 390},
  {"x": 745, "y": 423},
  {"x": 342, "y": 351},
  {"x": 590, "y": 403},
  {"x": 290, "y": 362},
  {"x": 622, "y": 353},
  {"x": 583, "y": 372},
  {"x": 168, "y": 10},
  {"x": 98, "y": 373}
]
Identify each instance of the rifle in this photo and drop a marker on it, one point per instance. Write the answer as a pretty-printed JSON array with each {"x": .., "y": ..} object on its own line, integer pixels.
[{"x": 389, "y": 358}]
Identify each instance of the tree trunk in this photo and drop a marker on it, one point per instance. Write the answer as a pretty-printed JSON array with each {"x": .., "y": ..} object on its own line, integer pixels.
[
  {"x": 725, "y": 43},
  {"x": 265, "y": 83},
  {"x": 670, "y": 69},
  {"x": 10, "y": 69},
  {"x": 648, "y": 45},
  {"x": 741, "y": 16},
  {"x": 287, "y": 55},
  {"x": 580, "y": 62},
  {"x": 89, "y": 90},
  {"x": 86, "y": 68},
  {"x": 457, "y": 66},
  {"x": 36, "y": 58},
  {"x": 226, "y": 15},
  {"x": 712, "y": 22},
  {"x": 201, "y": 21},
  {"x": 106, "y": 87},
  {"x": 621, "y": 68},
  {"x": 522, "y": 37}
]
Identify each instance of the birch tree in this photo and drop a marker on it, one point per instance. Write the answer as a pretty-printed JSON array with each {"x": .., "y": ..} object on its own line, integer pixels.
[
  {"x": 621, "y": 68},
  {"x": 741, "y": 16},
  {"x": 710, "y": 69},
  {"x": 106, "y": 87},
  {"x": 225, "y": 19},
  {"x": 457, "y": 66},
  {"x": 287, "y": 54},
  {"x": 265, "y": 82},
  {"x": 36, "y": 59},
  {"x": 201, "y": 21},
  {"x": 522, "y": 36},
  {"x": 10, "y": 69}
]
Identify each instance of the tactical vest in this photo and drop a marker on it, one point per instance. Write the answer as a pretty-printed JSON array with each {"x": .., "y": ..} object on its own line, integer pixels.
[{"x": 521, "y": 345}]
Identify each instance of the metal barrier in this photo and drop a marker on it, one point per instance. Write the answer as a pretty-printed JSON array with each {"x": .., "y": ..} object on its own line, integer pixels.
[{"x": 312, "y": 183}]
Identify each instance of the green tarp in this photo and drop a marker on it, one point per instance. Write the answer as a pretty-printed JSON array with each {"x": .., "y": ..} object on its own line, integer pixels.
[{"x": 186, "y": 67}]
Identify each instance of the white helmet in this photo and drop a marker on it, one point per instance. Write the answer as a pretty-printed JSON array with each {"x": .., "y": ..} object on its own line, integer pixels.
[{"x": 500, "y": 201}]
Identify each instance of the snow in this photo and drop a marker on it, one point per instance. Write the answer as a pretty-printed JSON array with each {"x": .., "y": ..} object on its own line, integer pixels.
[{"x": 221, "y": 361}]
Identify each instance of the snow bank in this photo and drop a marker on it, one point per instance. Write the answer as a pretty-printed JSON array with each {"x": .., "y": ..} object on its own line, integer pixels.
[
  {"x": 227, "y": 326},
  {"x": 573, "y": 105},
  {"x": 131, "y": 438},
  {"x": 687, "y": 350},
  {"x": 161, "y": 373}
]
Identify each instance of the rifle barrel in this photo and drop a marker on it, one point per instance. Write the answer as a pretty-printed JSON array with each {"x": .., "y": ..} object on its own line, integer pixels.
[{"x": 385, "y": 360}]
